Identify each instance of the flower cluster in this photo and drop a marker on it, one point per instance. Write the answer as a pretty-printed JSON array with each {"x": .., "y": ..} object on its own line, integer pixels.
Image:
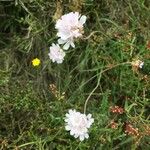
[
  {"x": 137, "y": 64},
  {"x": 70, "y": 27},
  {"x": 117, "y": 110},
  {"x": 130, "y": 130},
  {"x": 56, "y": 54},
  {"x": 78, "y": 124},
  {"x": 113, "y": 124}
]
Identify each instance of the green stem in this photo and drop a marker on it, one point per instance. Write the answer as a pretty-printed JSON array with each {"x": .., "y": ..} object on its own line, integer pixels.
[{"x": 107, "y": 69}]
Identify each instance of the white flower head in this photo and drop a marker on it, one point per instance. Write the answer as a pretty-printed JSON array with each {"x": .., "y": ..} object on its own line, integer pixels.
[
  {"x": 70, "y": 26},
  {"x": 141, "y": 64},
  {"x": 78, "y": 124},
  {"x": 137, "y": 63},
  {"x": 56, "y": 54}
]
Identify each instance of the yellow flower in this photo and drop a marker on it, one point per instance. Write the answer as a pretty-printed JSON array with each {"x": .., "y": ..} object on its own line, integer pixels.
[{"x": 36, "y": 62}]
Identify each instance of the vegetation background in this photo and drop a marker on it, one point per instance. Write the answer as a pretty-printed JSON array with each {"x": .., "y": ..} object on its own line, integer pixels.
[{"x": 34, "y": 100}]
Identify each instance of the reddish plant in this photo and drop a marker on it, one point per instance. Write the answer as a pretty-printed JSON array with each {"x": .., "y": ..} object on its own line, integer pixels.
[
  {"x": 130, "y": 130},
  {"x": 117, "y": 109}
]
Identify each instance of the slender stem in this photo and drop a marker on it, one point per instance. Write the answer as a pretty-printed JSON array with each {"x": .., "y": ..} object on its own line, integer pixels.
[
  {"x": 30, "y": 143},
  {"x": 109, "y": 68},
  {"x": 91, "y": 34},
  {"x": 85, "y": 105}
]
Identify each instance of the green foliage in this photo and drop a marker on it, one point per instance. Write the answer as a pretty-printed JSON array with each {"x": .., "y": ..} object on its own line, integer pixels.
[{"x": 32, "y": 114}]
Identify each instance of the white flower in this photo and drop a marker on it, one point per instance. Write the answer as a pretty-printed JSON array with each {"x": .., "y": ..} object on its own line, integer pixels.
[
  {"x": 137, "y": 63},
  {"x": 78, "y": 124},
  {"x": 69, "y": 27},
  {"x": 141, "y": 64},
  {"x": 56, "y": 54}
]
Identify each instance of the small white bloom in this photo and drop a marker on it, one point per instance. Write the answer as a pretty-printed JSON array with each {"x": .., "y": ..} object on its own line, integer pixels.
[
  {"x": 137, "y": 63},
  {"x": 69, "y": 27},
  {"x": 78, "y": 124},
  {"x": 141, "y": 64},
  {"x": 56, "y": 54}
]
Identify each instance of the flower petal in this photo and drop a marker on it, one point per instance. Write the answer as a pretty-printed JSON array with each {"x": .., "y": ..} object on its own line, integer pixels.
[
  {"x": 66, "y": 46},
  {"x": 83, "y": 19},
  {"x": 60, "y": 41},
  {"x": 81, "y": 137},
  {"x": 67, "y": 128},
  {"x": 86, "y": 136},
  {"x": 71, "y": 132},
  {"x": 72, "y": 44}
]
